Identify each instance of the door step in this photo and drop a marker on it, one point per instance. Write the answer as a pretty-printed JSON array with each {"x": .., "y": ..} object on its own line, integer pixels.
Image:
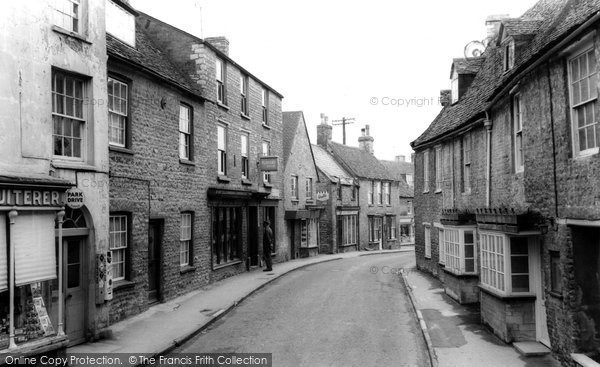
[{"x": 531, "y": 349}]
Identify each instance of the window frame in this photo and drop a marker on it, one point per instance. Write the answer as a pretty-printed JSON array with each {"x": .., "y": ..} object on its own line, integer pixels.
[
  {"x": 441, "y": 246},
  {"x": 387, "y": 194},
  {"x": 375, "y": 230},
  {"x": 124, "y": 249},
  {"x": 79, "y": 19},
  {"x": 244, "y": 94},
  {"x": 454, "y": 90},
  {"x": 506, "y": 273},
  {"x": 189, "y": 135},
  {"x": 371, "y": 197},
  {"x": 231, "y": 235},
  {"x": 378, "y": 192},
  {"x": 427, "y": 238},
  {"x": 266, "y": 152},
  {"x": 426, "y": 171},
  {"x": 265, "y": 106},
  {"x": 244, "y": 154},
  {"x": 222, "y": 151},
  {"x": 517, "y": 116},
  {"x": 582, "y": 50},
  {"x": 82, "y": 121},
  {"x": 438, "y": 168},
  {"x": 556, "y": 272},
  {"x": 455, "y": 250},
  {"x": 189, "y": 242},
  {"x": 126, "y": 116},
  {"x": 349, "y": 229},
  {"x": 466, "y": 147},
  {"x": 294, "y": 191},
  {"x": 508, "y": 59},
  {"x": 392, "y": 227},
  {"x": 221, "y": 80},
  {"x": 309, "y": 188}
]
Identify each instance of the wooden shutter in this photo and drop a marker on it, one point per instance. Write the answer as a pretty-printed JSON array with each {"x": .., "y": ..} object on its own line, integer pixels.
[{"x": 35, "y": 254}]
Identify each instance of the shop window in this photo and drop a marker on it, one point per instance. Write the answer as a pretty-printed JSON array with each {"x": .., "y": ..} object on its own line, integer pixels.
[
  {"x": 226, "y": 235},
  {"x": 118, "y": 244},
  {"x": 375, "y": 224},
  {"x": 347, "y": 230},
  {"x": 505, "y": 263},
  {"x": 406, "y": 233},
  {"x": 460, "y": 250},
  {"x": 309, "y": 233}
]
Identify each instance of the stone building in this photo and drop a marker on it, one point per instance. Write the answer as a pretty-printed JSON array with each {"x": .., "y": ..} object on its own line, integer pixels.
[
  {"x": 243, "y": 157},
  {"x": 54, "y": 174},
  {"x": 378, "y": 194},
  {"x": 301, "y": 179},
  {"x": 158, "y": 211},
  {"x": 506, "y": 185},
  {"x": 338, "y": 193},
  {"x": 404, "y": 173}
]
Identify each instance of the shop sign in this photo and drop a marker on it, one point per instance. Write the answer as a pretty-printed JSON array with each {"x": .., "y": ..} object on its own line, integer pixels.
[
  {"x": 11, "y": 197},
  {"x": 75, "y": 198},
  {"x": 322, "y": 196},
  {"x": 268, "y": 164}
]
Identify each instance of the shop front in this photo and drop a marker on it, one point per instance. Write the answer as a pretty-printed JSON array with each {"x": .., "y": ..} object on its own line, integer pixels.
[
  {"x": 303, "y": 229},
  {"x": 41, "y": 268}
]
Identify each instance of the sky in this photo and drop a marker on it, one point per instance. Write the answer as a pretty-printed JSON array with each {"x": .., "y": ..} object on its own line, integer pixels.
[{"x": 381, "y": 62}]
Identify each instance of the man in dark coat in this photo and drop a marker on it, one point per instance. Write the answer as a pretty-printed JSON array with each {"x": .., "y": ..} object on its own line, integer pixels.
[{"x": 267, "y": 245}]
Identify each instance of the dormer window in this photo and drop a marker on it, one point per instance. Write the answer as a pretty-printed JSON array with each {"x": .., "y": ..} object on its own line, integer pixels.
[
  {"x": 454, "y": 87},
  {"x": 509, "y": 55},
  {"x": 120, "y": 23}
]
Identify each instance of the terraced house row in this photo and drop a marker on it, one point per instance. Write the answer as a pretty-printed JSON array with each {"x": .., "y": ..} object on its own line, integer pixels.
[{"x": 507, "y": 180}]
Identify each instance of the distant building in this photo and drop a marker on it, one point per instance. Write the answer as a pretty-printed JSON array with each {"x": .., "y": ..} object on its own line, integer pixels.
[
  {"x": 301, "y": 179},
  {"x": 338, "y": 192},
  {"x": 404, "y": 172}
]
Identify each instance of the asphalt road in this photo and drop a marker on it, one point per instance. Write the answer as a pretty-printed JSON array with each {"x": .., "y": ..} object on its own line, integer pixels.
[{"x": 351, "y": 312}]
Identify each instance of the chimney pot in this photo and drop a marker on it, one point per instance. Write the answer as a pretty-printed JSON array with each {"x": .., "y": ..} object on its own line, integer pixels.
[
  {"x": 365, "y": 142},
  {"x": 324, "y": 132}
]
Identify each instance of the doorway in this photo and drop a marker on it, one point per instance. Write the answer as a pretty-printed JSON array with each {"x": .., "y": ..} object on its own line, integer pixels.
[
  {"x": 154, "y": 245},
  {"x": 253, "y": 236},
  {"x": 75, "y": 288},
  {"x": 541, "y": 324}
]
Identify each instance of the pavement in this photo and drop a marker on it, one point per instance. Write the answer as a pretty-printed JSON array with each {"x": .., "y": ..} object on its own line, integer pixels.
[
  {"x": 453, "y": 332},
  {"x": 168, "y": 325}
]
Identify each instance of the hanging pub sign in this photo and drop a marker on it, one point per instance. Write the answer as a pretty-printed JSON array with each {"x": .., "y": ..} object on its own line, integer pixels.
[
  {"x": 268, "y": 164},
  {"x": 75, "y": 198},
  {"x": 25, "y": 197},
  {"x": 322, "y": 196}
]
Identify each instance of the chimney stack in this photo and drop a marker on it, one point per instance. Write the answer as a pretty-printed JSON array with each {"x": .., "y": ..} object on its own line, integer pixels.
[
  {"x": 401, "y": 158},
  {"x": 492, "y": 24},
  {"x": 445, "y": 97},
  {"x": 324, "y": 132},
  {"x": 365, "y": 142},
  {"x": 220, "y": 43}
]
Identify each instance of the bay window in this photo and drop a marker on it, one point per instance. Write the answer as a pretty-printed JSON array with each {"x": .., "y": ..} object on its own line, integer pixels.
[
  {"x": 460, "y": 250},
  {"x": 505, "y": 263}
]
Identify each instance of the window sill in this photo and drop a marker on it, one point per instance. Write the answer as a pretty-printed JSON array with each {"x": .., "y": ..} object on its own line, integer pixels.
[
  {"x": 222, "y": 266},
  {"x": 350, "y": 245},
  {"x": 244, "y": 116},
  {"x": 187, "y": 269},
  {"x": 124, "y": 150},
  {"x": 309, "y": 247},
  {"x": 295, "y": 201},
  {"x": 438, "y": 191},
  {"x": 426, "y": 192},
  {"x": 586, "y": 154},
  {"x": 223, "y": 106},
  {"x": 266, "y": 126},
  {"x": 267, "y": 185},
  {"x": 123, "y": 284},
  {"x": 77, "y": 36},
  {"x": 246, "y": 182},
  {"x": 186, "y": 162},
  {"x": 222, "y": 178},
  {"x": 79, "y": 166},
  {"x": 461, "y": 275},
  {"x": 512, "y": 296}
]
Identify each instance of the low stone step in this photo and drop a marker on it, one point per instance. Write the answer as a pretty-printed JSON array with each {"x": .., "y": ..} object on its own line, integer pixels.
[{"x": 531, "y": 349}]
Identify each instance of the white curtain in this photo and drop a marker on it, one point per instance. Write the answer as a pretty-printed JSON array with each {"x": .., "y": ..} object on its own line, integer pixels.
[
  {"x": 3, "y": 255},
  {"x": 35, "y": 254}
]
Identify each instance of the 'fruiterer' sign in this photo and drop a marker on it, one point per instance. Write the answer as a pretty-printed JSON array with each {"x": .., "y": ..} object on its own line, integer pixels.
[
  {"x": 10, "y": 197},
  {"x": 268, "y": 164}
]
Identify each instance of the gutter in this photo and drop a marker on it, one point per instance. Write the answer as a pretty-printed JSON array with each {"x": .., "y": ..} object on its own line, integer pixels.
[{"x": 517, "y": 76}]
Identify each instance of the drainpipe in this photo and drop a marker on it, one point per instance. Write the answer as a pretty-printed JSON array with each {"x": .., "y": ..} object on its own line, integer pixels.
[
  {"x": 551, "y": 96},
  {"x": 488, "y": 124}
]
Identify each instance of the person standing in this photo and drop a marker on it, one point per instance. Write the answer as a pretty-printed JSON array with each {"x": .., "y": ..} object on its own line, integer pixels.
[{"x": 267, "y": 245}]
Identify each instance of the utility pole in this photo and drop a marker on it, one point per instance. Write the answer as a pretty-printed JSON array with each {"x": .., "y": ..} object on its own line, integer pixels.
[{"x": 344, "y": 121}]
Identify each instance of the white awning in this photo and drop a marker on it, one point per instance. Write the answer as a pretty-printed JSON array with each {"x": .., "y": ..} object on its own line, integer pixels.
[
  {"x": 35, "y": 254},
  {"x": 3, "y": 255}
]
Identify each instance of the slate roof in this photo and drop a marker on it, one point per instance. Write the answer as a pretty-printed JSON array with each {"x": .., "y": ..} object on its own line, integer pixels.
[
  {"x": 359, "y": 162},
  {"x": 467, "y": 66},
  {"x": 328, "y": 165},
  {"x": 521, "y": 27},
  {"x": 290, "y": 122},
  {"x": 148, "y": 57},
  {"x": 559, "y": 18}
]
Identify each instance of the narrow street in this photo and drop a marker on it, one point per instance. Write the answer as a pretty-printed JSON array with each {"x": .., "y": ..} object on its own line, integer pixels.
[{"x": 350, "y": 312}]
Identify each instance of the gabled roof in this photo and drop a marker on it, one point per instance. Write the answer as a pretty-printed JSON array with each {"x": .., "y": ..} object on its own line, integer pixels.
[
  {"x": 329, "y": 166},
  {"x": 471, "y": 65},
  {"x": 146, "y": 56},
  {"x": 520, "y": 27},
  {"x": 359, "y": 162},
  {"x": 399, "y": 170},
  {"x": 290, "y": 124},
  {"x": 559, "y": 18}
]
